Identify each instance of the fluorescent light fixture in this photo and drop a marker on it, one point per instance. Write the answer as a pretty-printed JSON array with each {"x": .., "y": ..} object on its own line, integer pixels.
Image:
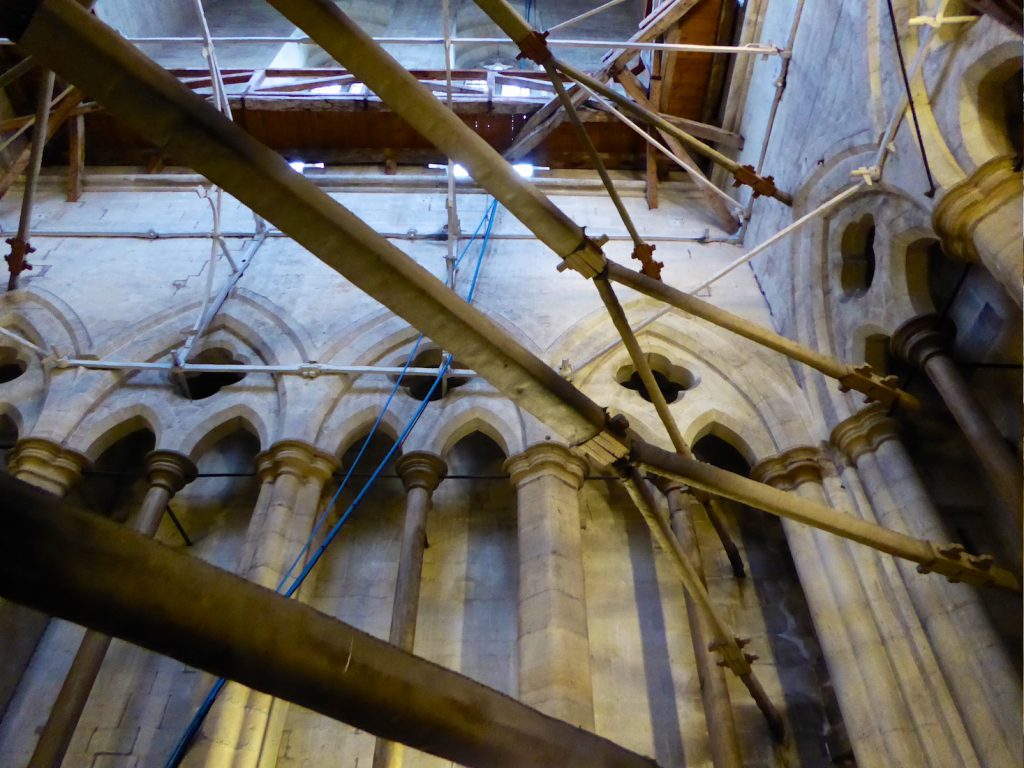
[
  {"x": 460, "y": 172},
  {"x": 300, "y": 166},
  {"x": 523, "y": 169}
]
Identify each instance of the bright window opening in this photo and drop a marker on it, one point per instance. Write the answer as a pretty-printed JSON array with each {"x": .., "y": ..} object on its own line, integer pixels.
[
  {"x": 515, "y": 90},
  {"x": 328, "y": 89}
]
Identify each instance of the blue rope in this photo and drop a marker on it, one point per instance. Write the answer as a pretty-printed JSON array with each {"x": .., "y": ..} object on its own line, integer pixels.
[{"x": 192, "y": 730}]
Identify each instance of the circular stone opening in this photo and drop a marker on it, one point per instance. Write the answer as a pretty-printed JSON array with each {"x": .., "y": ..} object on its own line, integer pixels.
[
  {"x": 672, "y": 379},
  {"x": 418, "y": 385},
  {"x": 201, "y": 385},
  {"x": 11, "y": 364},
  {"x": 858, "y": 253}
]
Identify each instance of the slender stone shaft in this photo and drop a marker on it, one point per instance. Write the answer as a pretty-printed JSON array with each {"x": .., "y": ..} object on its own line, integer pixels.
[
  {"x": 554, "y": 644},
  {"x": 920, "y": 342},
  {"x": 292, "y": 475},
  {"x": 725, "y": 746},
  {"x": 973, "y": 660},
  {"x": 54, "y": 469},
  {"x": 421, "y": 472},
  {"x": 876, "y": 714},
  {"x": 167, "y": 472}
]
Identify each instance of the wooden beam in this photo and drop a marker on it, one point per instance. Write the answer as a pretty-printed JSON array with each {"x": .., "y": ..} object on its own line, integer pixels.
[
  {"x": 654, "y": 26},
  {"x": 551, "y": 115},
  {"x": 76, "y": 158},
  {"x": 706, "y": 131},
  {"x": 654, "y": 94},
  {"x": 58, "y": 116},
  {"x": 726, "y": 219}
]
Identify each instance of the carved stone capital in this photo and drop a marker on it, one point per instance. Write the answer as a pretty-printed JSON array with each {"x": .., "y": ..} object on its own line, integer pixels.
[
  {"x": 920, "y": 339},
  {"x": 864, "y": 432},
  {"x": 547, "y": 459},
  {"x": 47, "y": 465},
  {"x": 296, "y": 458},
  {"x": 966, "y": 204},
  {"x": 790, "y": 469},
  {"x": 169, "y": 469},
  {"x": 421, "y": 469}
]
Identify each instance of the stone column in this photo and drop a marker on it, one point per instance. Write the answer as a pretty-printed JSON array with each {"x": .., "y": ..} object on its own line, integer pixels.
[
  {"x": 292, "y": 474},
  {"x": 979, "y": 220},
  {"x": 877, "y": 717},
  {"x": 973, "y": 661},
  {"x": 923, "y": 344},
  {"x": 53, "y": 468},
  {"x": 421, "y": 473},
  {"x": 722, "y": 738},
  {"x": 554, "y": 645},
  {"x": 167, "y": 472}
]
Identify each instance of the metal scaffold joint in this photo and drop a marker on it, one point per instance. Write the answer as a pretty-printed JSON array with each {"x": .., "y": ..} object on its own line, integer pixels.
[
  {"x": 644, "y": 253},
  {"x": 883, "y": 389},
  {"x": 960, "y": 566},
  {"x": 535, "y": 48},
  {"x": 745, "y": 175}
]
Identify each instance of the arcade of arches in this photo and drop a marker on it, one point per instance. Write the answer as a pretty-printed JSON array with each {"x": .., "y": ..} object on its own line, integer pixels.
[{"x": 487, "y": 545}]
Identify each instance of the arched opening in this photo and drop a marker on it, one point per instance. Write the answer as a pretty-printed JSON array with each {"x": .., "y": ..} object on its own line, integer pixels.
[
  {"x": 8, "y": 437},
  {"x": 877, "y": 353},
  {"x": 354, "y": 581},
  {"x": 471, "y": 569},
  {"x": 116, "y": 483},
  {"x": 672, "y": 379},
  {"x": 945, "y": 276},
  {"x": 214, "y": 510},
  {"x": 12, "y": 365},
  {"x": 857, "y": 248},
  {"x": 370, "y": 451},
  {"x": 420, "y": 386},
  {"x": 201, "y": 385},
  {"x": 1000, "y": 112},
  {"x": 780, "y": 607},
  {"x": 714, "y": 450}
]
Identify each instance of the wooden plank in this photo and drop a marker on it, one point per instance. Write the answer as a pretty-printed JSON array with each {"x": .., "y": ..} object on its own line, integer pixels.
[
  {"x": 713, "y": 133},
  {"x": 653, "y": 93},
  {"x": 657, "y": 24},
  {"x": 726, "y": 219},
  {"x": 76, "y": 158},
  {"x": 58, "y": 116}
]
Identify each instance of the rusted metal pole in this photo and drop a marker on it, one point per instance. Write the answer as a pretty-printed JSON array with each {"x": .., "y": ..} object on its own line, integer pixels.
[
  {"x": 17, "y": 261},
  {"x": 179, "y": 606}
]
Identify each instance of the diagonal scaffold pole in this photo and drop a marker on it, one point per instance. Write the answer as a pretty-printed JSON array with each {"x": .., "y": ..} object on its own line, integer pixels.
[
  {"x": 534, "y": 46},
  {"x": 643, "y": 252},
  {"x": 723, "y": 641},
  {"x": 643, "y": 367},
  {"x": 360, "y": 54},
  {"x": 204, "y": 617},
  {"x": 152, "y": 101}
]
